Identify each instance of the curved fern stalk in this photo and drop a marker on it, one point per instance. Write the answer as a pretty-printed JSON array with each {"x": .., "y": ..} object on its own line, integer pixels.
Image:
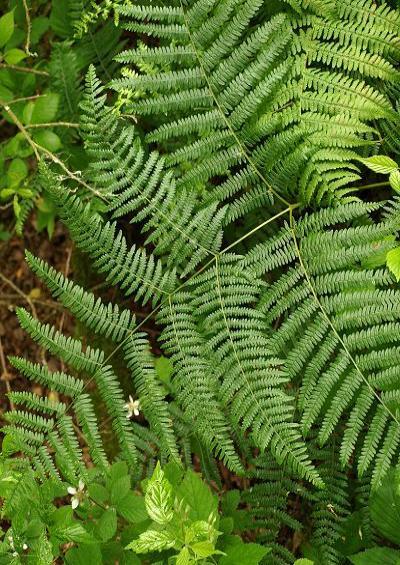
[
  {"x": 120, "y": 326},
  {"x": 335, "y": 306},
  {"x": 251, "y": 378},
  {"x": 180, "y": 229},
  {"x": 283, "y": 107}
]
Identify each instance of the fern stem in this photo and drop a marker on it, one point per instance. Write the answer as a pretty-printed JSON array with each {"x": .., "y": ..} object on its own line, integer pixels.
[
  {"x": 373, "y": 185},
  {"x": 53, "y": 124},
  {"x": 254, "y": 230},
  {"x": 23, "y": 69}
]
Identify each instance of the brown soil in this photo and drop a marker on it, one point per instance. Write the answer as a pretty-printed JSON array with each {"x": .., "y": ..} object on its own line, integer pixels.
[{"x": 19, "y": 287}]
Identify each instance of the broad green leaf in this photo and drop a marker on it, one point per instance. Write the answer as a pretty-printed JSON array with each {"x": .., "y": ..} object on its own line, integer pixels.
[
  {"x": 303, "y": 561},
  {"x": 17, "y": 171},
  {"x": 132, "y": 507},
  {"x": 27, "y": 113},
  {"x": 376, "y": 556},
  {"x": 152, "y": 540},
  {"x": 237, "y": 553},
  {"x": 84, "y": 555},
  {"x": 45, "y": 109},
  {"x": 48, "y": 139},
  {"x": 118, "y": 470},
  {"x": 75, "y": 532},
  {"x": 394, "y": 180},
  {"x": 119, "y": 489},
  {"x": 7, "y": 192},
  {"x": 6, "y": 27},
  {"x": 164, "y": 369},
  {"x": 380, "y": 164},
  {"x": 40, "y": 25},
  {"x": 6, "y": 95},
  {"x": 201, "y": 531},
  {"x": 14, "y": 56},
  {"x": 197, "y": 495},
  {"x": 204, "y": 549},
  {"x": 107, "y": 525},
  {"x": 159, "y": 498},
  {"x": 385, "y": 505},
  {"x": 393, "y": 262},
  {"x": 96, "y": 491},
  {"x": 184, "y": 557},
  {"x": 25, "y": 192}
]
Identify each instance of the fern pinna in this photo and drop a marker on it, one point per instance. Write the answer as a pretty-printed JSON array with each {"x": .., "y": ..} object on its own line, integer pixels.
[{"x": 284, "y": 341}]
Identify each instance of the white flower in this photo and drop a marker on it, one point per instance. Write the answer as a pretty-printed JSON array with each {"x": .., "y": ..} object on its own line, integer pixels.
[
  {"x": 77, "y": 494},
  {"x": 25, "y": 546},
  {"x": 132, "y": 407}
]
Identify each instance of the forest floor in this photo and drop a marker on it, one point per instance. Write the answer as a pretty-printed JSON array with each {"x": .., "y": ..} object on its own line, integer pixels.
[{"x": 19, "y": 287}]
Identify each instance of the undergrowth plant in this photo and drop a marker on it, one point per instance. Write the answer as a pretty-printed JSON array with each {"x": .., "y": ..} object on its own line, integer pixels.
[{"x": 240, "y": 144}]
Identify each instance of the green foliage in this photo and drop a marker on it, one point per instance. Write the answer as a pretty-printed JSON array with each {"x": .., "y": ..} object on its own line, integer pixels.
[
  {"x": 100, "y": 516},
  {"x": 221, "y": 192},
  {"x": 42, "y": 93},
  {"x": 281, "y": 105},
  {"x": 184, "y": 517}
]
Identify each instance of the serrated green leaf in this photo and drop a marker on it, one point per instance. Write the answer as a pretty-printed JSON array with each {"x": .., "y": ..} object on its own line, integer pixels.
[
  {"x": 204, "y": 549},
  {"x": 184, "y": 557},
  {"x": 107, "y": 525},
  {"x": 380, "y": 164},
  {"x": 393, "y": 262},
  {"x": 132, "y": 507},
  {"x": 83, "y": 555},
  {"x": 45, "y": 109},
  {"x": 198, "y": 496},
  {"x": 303, "y": 561},
  {"x": 119, "y": 489},
  {"x": 17, "y": 171},
  {"x": 237, "y": 552},
  {"x": 376, "y": 556},
  {"x": 394, "y": 180},
  {"x": 98, "y": 493},
  {"x": 152, "y": 540},
  {"x": 159, "y": 498},
  {"x": 6, "y": 27},
  {"x": 14, "y": 56},
  {"x": 48, "y": 139}
]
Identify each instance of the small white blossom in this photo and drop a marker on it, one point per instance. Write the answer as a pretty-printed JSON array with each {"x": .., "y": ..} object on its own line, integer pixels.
[
  {"x": 76, "y": 494},
  {"x": 132, "y": 407},
  {"x": 25, "y": 546}
]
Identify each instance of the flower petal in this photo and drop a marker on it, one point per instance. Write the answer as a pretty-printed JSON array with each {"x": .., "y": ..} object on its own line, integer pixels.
[
  {"x": 74, "y": 503},
  {"x": 71, "y": 490}
]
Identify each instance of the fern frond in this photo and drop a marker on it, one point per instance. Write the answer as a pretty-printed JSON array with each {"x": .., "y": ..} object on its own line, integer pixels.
[
  {"x": 226, "y": 100},
  {"x": 322, "y": 305}
]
